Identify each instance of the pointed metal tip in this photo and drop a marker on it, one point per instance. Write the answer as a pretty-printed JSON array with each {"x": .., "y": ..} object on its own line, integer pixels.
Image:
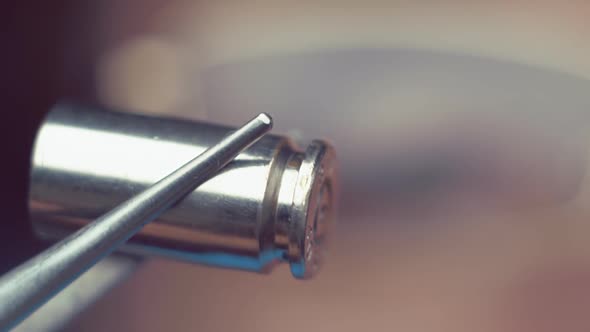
[{"x": 265, "y": 118}]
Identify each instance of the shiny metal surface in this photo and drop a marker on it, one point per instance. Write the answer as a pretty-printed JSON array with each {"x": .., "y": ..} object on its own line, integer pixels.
[
  {"x": 81, "y": 294},
  {"x": 31, "y": 284},
  {"x": 273, "y": 203}
]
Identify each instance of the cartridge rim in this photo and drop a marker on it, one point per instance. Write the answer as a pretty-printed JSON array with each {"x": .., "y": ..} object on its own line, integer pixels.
[{"x": 313, "y": 210}]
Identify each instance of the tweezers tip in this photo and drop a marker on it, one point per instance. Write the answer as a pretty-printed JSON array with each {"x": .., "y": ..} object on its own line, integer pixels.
[{"x": 265, "y": 119}]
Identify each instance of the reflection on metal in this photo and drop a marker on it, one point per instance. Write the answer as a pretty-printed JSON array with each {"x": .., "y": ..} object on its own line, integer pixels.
[
  {"x": 89, "y": 146},
  {"x": 272, "y": 203},
  {"x": 31, "y": 284},
  {"x": 83, "y": 292}
]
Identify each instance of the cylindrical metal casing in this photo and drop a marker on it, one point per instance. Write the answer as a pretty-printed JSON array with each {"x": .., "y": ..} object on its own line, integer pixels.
[{"x": 273, "y": 203}]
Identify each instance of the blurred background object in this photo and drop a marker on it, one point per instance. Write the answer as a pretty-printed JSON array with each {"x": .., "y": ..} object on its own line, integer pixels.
[{"x": 461, "y": 127}]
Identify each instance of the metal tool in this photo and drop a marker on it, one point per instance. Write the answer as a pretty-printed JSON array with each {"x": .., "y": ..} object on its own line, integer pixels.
[
  {"x": 273, "y": 203},
  {"x": 29, "y": 285}
]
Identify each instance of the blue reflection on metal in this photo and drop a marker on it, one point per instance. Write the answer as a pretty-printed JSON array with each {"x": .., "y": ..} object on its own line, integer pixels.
[
  {"x": 226, "y": 260},
  {"x": 298, "y": 269}
]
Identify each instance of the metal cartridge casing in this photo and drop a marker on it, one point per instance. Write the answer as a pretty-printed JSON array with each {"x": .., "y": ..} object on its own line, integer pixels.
[{"x": 273, "y": 203}]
